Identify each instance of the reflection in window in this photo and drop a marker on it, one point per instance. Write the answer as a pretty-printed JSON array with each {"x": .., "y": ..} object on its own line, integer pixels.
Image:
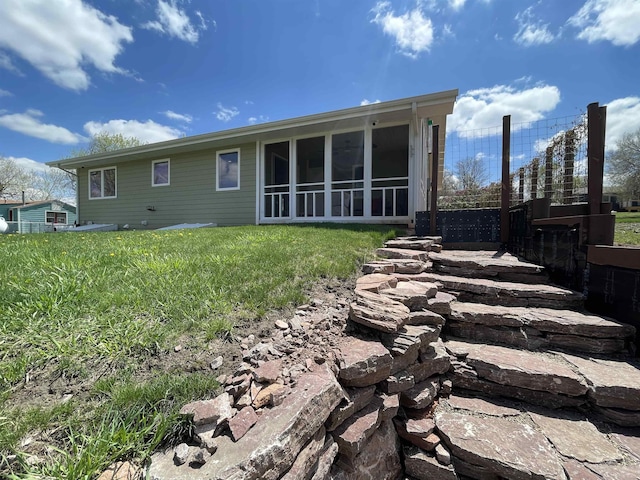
[
  {"x": 228, "y": 170},
  {"x": 102, "y": 183},
  {"x": 160, "y": 172}
]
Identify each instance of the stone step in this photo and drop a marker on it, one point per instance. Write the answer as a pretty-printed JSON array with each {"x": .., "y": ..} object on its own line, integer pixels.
[
  {"x": 511, "y": 294},
  {"x": 403, "y": 253},
  {"x": 490, "y": 439},
  {"x": 414, "y": 242},
  {"x": 535, "y": 328},
  {"x": 488, "y": 264},
  {"x": 611, "y": 388}
]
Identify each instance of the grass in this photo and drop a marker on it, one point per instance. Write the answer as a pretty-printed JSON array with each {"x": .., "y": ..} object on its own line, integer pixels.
[
  {"x": 94, "y": 307},
  {"x": 627, "y": 228}
]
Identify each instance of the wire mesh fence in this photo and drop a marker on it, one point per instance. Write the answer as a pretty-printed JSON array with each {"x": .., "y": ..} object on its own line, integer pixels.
[{"x": 548, "y": 159}]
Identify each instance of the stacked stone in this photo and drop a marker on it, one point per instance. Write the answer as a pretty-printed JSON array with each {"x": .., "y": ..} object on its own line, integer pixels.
[{"x": 404, "y": 367}]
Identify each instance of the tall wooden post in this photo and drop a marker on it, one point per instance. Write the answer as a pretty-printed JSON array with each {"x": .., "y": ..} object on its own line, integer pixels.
[
  {"x": 521, "y": 185},
  {"x": 535, "y": 165},
  {"x": 569, "y": 158},
  {"x": 548, "y": 173},
  {"x": 435, "y": 163},
  {"x": 506, "y": 184},
  {"x": 596, "y": 126}
]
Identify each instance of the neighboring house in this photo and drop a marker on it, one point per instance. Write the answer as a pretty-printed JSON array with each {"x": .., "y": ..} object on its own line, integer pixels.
[
  {"x": 36, "y": 217},
  {"x": 366, "y": 164}
]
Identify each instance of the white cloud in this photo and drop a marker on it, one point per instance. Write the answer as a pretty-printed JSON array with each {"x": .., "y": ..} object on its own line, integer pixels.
[
  {"x": 29, "y": 123},
  {"x": 7, "y": 64},
  {"x": 181, "y": 117},
  {"x": 5, "y": 93},
  {"x": 368, "y": 102},
  {"x": 456, "y": 4},
  {"x": 29, "y": 165},
  {"x": 485, "y": 107},
  {"x": 258, "y": 119},
  {"x": 623, "y": 116},
  {"x": 531, "y": 31},
  {"x": 613, "y": 20},
  {"x": 176, "y": 22},
  {"x": 147, "y": 132},
  {"x": 62, "y": 38},
  {"x": 413, "y": 32},
  {"x": 224, "y": 114}
]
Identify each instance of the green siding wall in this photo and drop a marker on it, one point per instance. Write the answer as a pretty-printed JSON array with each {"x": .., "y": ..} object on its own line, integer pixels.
[
  {"x": 191, "y": 196},
  {"x": 39, "y": 214}
]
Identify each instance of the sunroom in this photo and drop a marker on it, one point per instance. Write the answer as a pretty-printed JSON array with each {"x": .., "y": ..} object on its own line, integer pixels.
[{"x": 343, "y": 175}]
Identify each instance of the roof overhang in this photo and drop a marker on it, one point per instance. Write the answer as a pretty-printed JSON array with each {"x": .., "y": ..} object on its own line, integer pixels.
[{"x": 431, "y": 105}]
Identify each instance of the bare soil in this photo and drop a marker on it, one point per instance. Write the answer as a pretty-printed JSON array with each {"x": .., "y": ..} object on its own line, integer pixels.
[{"x": 329, "y": 298}]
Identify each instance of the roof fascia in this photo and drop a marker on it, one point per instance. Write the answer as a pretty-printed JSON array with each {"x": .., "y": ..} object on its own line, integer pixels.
[{"x": 420, "y": 101}]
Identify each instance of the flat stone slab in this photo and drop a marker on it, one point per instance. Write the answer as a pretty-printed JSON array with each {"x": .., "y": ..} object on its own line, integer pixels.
[
  {"x": 505, "y": 448},
  {"x": 490, "y": 262},
  {"x": 478, "y": 405},
  {"x": 614, "y": 384},
  {"x": 508, "y": 293},
  {"x": 410, "y": 244},
  {"x": 522, "y": 369},
  {"x": 576, "y": 438},
  {"x": 403, "y": 253},
  {"x": 379, "y": 459},
  {"x": 271, "y": 446},
  {"x": 414, "y": 295},
  {"x": 378, "y": 312},
  {"x": 423, "y": 466},
  {"x": 363, "y": 362},
  {"x": 375, "y": 282},
  {"x": 355, "y": 431}
]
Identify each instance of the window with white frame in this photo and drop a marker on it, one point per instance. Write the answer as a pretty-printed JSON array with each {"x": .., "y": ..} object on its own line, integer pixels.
[
  {"x": 160, "y": 173},
  {"x": 228, "y": 170},
  {"x": 102, "y": 183},
  {"x": 55, "y": 217}
]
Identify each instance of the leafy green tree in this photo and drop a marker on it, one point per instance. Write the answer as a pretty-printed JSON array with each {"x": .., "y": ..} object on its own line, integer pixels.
[
  {"x": 624, "y": 165},
  {"x": 101, "y": 142}
]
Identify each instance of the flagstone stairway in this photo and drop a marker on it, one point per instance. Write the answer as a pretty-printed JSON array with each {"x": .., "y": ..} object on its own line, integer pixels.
[
  {"x": 540, "y": 389},
  {"x": 442, "y": 365}
]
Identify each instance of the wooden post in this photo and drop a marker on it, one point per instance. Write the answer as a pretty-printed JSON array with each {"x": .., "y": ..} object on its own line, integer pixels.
[
  {"x": 521, "y": 185},
  {"x": 435, "y": 162},
  {"x": 535, "y": 165},
  {"x": 506, "y": 184},
  {"x": 596, "y": 118},
  {"x": 548, "y": 173},
  {"x": 569, "y": 157}
]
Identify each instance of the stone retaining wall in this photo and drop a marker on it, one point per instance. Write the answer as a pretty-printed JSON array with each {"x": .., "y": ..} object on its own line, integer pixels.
[
  {"x": 331, "y": 397},
  {"x": 349, "y": 391}
]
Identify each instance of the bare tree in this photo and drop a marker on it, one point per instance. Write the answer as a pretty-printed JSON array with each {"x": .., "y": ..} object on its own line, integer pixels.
[
  {"x": 14, "y": 179},
  {"x": 472, "y": 174},
  {"x": 624, "y": 165}
]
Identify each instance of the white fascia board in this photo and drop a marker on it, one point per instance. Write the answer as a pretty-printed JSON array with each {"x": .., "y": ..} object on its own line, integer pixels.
[{"x": 252, "y": 131}]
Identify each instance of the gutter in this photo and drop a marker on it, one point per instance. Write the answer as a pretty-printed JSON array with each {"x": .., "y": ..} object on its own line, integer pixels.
[{"x": 256, "y": 130}]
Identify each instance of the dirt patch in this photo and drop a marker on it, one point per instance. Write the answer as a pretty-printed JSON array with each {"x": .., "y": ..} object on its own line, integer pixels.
[{"x": 47, "y": 386}]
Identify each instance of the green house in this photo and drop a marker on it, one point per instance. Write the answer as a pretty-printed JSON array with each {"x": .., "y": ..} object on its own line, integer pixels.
[
  {"x": 36, "y": 217},
  {"x": 368, "y": 164}
]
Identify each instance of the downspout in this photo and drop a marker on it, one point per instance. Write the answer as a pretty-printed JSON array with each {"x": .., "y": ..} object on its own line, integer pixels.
[{"x": 77, "y": 191}]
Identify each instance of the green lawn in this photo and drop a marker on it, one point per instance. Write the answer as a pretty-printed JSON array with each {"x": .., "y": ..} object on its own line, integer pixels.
[
  {"x": 627, "y": 228},
  {"x": 95, "y": 307}
]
